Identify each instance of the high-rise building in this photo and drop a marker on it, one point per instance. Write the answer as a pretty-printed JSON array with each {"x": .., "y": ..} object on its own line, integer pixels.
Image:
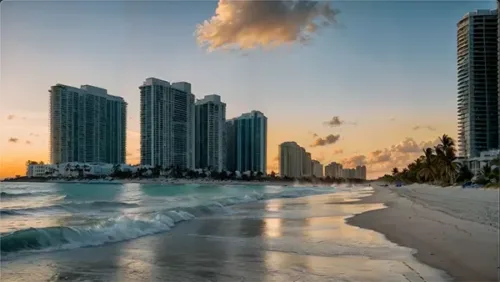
[
  {"x": 317, "y": 168},
  {"x": 86, "y": 125},
  {"x": 291, "y": 160},
  {"x": 247, "y": 142},
  {"x": 477, "y": 64},
  {"x": 360, "y": 172},
  {"x": 210, "y": 128},
  {"x": 167, "y": 124},
  {"x": 334, "y": 170},
  {"x": 306, "y": 163},
  {"x": 498, "y": 65}
]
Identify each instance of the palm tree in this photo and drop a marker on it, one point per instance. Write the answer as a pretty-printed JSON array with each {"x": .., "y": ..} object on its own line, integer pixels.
[
  {"x": 395, "y": 171},
  {"x": 427, "y": 170}
]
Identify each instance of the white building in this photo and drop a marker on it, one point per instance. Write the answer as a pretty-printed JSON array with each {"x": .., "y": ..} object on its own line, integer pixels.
[
  {"x": 317, "y": 168},
  {"x": 86, "y": 125},
  {"x": 247, "y": 142},
  {"x": 210, "y": 128},
  {"x": 291, "y": 160},
  {"x": 477, "y": 63},
  {"x": 485, "y": 158},
  {"x": 39, "y": 170},
  {"x": 167, "y": 124}
]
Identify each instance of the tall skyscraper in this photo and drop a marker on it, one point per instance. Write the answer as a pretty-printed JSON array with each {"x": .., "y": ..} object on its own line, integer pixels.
[
  {"x": 498, "y": 65},
  {"x": 167, "y": 124},
  {"x": 86, "y": 125},
  {"x": 360, "y": 172},
  {"x": 291, "y": 160},
  {"x": 247, "y": 142},
  {"x": 477, "y": 65},
  {"x": 210, "y": 145}
]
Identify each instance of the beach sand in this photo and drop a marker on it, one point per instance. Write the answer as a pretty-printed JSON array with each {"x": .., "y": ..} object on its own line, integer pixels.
[
  {"x": 304, "y": 239},
  {"x": 451, "y": 228}
]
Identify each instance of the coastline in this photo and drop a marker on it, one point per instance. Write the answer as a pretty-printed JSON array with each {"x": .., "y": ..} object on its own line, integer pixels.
[{"x": 466, "y": 250}]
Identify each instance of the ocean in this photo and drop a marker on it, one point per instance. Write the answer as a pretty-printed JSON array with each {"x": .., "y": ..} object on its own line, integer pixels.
[{"x": 191, "y": 232}]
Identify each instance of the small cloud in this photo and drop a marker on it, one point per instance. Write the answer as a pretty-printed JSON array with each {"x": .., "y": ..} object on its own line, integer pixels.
[
  {"x": 128, "y": 154},
  {"x": 13, "y": 140},
  {"x": 392, "y": 119},
  {"x": 406, "y": 146},
  {"x": 28, "y": 142},
  {"x": 328, "y": 140},
  {"x": 11, "y": 117},
  {"x": 428, "y": 127},
  {"x": 34, "y": 134},
  {"x": 336, "y": 122},
  {"x": 338, "y": 152}
]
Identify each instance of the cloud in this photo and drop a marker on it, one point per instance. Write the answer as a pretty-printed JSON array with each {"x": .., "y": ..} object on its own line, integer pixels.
[
  {"x": 428, "y": 127},
  {"x": 246, "y": 24},
  {"x": 28, "y": 142},
  {"x": 407, "y": 146},
  {"x": 13, "y": 140},
  {"x": 11, "y": 117},
  {"x": 354, "y": 161},
  {"x": 398, "y": 155},
  {"x": 34, "y": 134},
  {"x": 128, "y": 154},
  {"x": 328, "y": 140},
  {"x": 392, "y": 119},
  {"x": 336, "y": 122},
  {"x": 338, "y": 152},
  {"x": 314, "y": 135}
]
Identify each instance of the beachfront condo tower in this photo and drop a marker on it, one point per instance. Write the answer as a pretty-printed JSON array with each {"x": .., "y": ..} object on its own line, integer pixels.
[
  {"x": 167, "y": 124},
  {"x": 210, "y": 128},
  {"x": 317, "y": 169},
  {"x": 86, "y": 125},
  {"x": 247, "y": 142},
  {"x": 477, "y": 64},
  {"x": 334, "y": 170},
  {"x": 291, "y": 159}
]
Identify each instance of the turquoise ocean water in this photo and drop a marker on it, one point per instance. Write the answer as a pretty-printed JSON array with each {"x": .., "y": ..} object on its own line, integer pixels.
[{"x": 38, "y": 217}]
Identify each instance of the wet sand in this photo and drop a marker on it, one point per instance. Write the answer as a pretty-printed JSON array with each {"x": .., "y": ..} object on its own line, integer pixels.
[
  {"x": 304, "y": 239},
  {"x": 453, "y": 230}
]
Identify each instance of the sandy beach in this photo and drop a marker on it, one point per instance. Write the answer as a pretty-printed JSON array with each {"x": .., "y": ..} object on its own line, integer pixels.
[{"x": 452, "y": 229}]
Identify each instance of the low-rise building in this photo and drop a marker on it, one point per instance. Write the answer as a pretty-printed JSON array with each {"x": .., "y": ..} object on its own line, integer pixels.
[{"x": 485, "y": 158}]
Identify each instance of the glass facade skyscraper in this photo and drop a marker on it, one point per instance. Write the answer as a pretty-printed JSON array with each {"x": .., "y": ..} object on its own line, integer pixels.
[
  {"x": 247, "y": 142},
  {"x": 210, "y": 128},
  {"x": 477, "y": 64},
  {"x": 86, "y": 125},
  {"x": 167, "y": 124}
]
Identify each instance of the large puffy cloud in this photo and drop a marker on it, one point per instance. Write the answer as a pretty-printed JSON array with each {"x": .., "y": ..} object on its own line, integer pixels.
[
  {"x": 329, "y": 139},
  {"x": 244, "y": 24},
  {"x": 398, "y": 155}
]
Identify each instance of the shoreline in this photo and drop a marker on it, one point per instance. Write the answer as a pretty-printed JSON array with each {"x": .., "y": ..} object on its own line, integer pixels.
[{"x": 466, "y": 250}]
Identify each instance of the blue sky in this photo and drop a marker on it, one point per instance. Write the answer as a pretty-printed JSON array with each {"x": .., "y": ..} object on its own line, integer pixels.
[{"x": 385, "y": 60}]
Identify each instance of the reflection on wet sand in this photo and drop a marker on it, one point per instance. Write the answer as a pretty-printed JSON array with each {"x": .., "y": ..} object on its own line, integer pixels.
[{"x": 280, "y": 240}]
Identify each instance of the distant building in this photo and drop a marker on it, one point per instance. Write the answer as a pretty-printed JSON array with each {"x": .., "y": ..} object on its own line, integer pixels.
[
  {"x": 39, "y": 170},
  {"x": 306, "y": 163},
  {"x": 349, "y": 173},
  {"x": 86, "y": 125},
  {"x": 291, "y": 159},
  {"x": 360, "y": 172},
  {"x": 477, "y": 66},
  {"x": 334, "y": 170},
  {"x": 210, "y": 128},
  {"x": 317, "y": 169},
  {"x": 247, "y": 143},
  {"x": 167, "y": 124}
]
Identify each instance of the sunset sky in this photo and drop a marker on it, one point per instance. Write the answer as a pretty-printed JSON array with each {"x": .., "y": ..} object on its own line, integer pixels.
[{"x": 386, "y": 69}]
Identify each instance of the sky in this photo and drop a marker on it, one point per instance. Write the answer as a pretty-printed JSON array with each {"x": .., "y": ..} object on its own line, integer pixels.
[{"x": 356, "y": 82}]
